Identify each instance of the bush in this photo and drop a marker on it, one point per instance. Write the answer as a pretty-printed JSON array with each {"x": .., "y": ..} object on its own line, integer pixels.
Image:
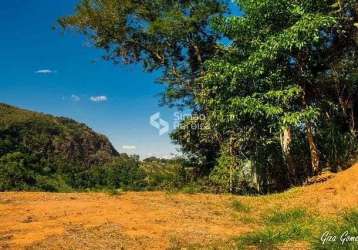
[
  {"x": 52, "y": 184},
  {"x": 169, "y": 176},
  {"x": 16, "y": 172},
  {"x": 123, "y": 172},
  {"x": 233, "y": 175}
]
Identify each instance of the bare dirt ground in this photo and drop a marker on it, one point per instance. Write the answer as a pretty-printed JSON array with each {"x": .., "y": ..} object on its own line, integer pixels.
[{"x": 152, "y": 220}]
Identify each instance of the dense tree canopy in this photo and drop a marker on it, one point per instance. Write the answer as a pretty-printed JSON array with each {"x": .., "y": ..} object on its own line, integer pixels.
[{"x": 275, "y": 85}]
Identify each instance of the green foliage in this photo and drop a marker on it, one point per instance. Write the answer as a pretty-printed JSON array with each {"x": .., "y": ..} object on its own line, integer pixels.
[
  {"x": 280, "y": 227},
  {"x": 339, "y": 148},
  {"x": 55, "y": 183},
  {"x": 122, "y": 172},
  {"x": 271, "y": 239},
  {"x": 198, "y": 142},
  {"x": 232, "y": 174},
  {"x": 19, "y": 171},
  {"x": 42, "y": 152},
  {"x": 56, "y": 154},
  {"x": 56, "y": 140},
  {"x": 16, "y": 172},
  {"x": 279, "y": 72},
  {"x": 160, "y": 34},
  {"x": 289, "y": 68},
  {"x": 163, "y": 174},
  {"x": 226, "y": 174},
  {"x": 344, "y": 230},
  {"x": 286, "y": 216}
]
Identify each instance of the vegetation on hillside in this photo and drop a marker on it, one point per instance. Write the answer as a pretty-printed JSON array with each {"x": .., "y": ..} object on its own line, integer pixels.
[{"x": 43, "y": 152}]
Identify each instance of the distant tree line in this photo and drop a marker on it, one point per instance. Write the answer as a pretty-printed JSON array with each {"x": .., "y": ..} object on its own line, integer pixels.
[{"x": 277, "y": 85}]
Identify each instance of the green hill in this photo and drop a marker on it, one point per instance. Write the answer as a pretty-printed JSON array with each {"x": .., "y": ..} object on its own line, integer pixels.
[
  {"x": 34, "y": 143},
  {"x": 50, "y": 136}
]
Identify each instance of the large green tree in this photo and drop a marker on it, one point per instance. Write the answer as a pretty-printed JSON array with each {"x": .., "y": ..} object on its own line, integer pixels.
[{"x": 274, "y": 85}]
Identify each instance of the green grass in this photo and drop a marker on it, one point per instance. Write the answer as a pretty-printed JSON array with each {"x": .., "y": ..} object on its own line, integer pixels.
[
  {"x": 347, "y": 223},
  {"x": 271, "y": 238},
  {"x": 294, "y": 225},
  {"x": 279, "y": 228},
  {"x": 240, "y": 207},
  {"x": 285, "y": 228},
  {"x": 281, "y": 217}
]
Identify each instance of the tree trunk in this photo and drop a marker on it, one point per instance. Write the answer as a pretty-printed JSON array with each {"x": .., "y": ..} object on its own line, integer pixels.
[
  {"x": 286, "y": 142},
  {"x": 313, "y": 150},
  {"x": 231, "y": 184},
  {"x": 352, "y": 123},
  {"x": 315, "y": 166}
]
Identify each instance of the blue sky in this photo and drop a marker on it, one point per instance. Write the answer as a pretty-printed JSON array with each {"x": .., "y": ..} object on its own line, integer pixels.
[
  {"x": 47, "y": 71},
  {"x": 126, "y": 96}
]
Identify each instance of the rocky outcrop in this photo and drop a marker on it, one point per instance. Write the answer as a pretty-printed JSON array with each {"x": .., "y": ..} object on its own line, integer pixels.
[{"x": 53, "y": 138}]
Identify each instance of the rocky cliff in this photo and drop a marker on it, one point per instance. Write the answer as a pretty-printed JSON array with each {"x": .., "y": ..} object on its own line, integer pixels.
[{"x": 51, "y": 138}]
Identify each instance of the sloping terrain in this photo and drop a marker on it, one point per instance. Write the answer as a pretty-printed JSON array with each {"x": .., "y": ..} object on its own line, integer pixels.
[
  {"x": 157, "y": 220},
  {"x": 51, "y": 138}
]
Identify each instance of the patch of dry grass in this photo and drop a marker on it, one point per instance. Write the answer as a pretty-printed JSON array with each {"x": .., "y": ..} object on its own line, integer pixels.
[{"x": 157, "y": 220}]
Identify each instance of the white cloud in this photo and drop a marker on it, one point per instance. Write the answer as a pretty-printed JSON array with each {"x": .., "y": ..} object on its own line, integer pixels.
[
  {"x": 75, "y": 98},
  {"x": 129, "y": 147},
  {"x": 45, "y": 71},
  {"x": 101, "y": 98}
]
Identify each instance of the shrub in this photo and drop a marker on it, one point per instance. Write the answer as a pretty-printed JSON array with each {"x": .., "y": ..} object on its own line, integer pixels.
[
  {"x": 122, "y": 172},
  {"x": 233, "y": 175},
  {"x": 191, "y": 188},
  {"x": 16, "y": 172},
  {"x": 52, "y": 184}
]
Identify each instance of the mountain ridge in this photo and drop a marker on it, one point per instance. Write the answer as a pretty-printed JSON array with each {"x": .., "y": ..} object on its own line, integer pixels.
[{"x": 52, "y": 136}]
